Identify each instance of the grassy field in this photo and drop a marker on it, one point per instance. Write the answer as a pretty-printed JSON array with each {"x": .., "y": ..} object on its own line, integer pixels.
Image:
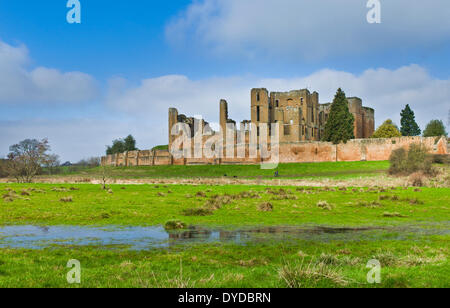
[
  {"x": 229, "y": 205},
  {"x": 326, "y": 169},
  {"x": 408, "y": 258},
  {"x": 408, "y": 263}
]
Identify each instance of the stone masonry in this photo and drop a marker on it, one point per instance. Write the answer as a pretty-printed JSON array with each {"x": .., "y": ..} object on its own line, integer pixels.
[{"x": 301, "y": 120}]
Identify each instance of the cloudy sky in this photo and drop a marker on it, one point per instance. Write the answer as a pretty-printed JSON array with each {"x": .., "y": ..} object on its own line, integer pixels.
[{"x": 116, "y": 73}]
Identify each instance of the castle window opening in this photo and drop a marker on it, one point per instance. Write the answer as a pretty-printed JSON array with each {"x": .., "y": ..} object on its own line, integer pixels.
[
  {"x": 258, "y": 114},
  {"x": 257, "y": 97}
]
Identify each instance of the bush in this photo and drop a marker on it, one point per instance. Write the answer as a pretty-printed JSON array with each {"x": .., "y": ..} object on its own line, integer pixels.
[
  {"x": 398, "y": 161},
  {"x": 417, "y": 179},
  {"x": 416, "y": 159},
  {"x": 387, "y": 130},
  {"x": 440, "y": 159}
]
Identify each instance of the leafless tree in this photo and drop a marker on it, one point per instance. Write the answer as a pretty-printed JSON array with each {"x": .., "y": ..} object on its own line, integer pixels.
[
  {"x": 51, "y": 163},
  {"x": 26, "y": 159},
  {"x": 3, "y": 172},
  {"x": 90, "y": 162},
  {"x": 105, "y": 176}
]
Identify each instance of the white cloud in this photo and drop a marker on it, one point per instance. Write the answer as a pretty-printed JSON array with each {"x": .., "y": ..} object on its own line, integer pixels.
[
  {"x": 310, "y": 29},
  {"x": 19, "y": 84},
  {"x": 142, "y": 109},
  {"x": 75, "y": 139},
  {"x": 388, "y": 91},
  {"x": 153, "y": 97}
]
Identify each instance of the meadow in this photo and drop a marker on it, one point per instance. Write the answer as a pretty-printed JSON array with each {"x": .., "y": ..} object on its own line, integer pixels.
[
  {"x": 410, "y": 236},
  {"x": 228, "y": 205},
  {"x": 295, "y": 171}
]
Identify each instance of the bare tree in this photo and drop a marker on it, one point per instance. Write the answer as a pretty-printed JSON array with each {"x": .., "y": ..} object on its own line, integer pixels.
[
  {"x": 105, "y": 175},
  {"x": 90, "y": 162},
  {"x": 3, "y": 172},
  {"x": 26, "y": 159},
  {"x": 51, "y": 163}
]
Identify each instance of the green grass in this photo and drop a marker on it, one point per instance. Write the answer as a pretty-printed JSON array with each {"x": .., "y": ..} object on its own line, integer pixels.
[
  {"x": 161, "y": 147},
  {"x": 409, "y": 259},
  {"x": 156, "y": 204},
  {"x": 416, "y": 263},
  {"x": 305, "y": 170}
]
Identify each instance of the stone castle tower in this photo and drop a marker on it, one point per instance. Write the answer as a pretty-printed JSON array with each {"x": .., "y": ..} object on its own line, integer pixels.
[{"x": 298, "y": 112}]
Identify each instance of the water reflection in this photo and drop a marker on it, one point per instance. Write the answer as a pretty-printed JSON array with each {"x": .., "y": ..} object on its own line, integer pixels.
[{"x": 144, "y": 238}]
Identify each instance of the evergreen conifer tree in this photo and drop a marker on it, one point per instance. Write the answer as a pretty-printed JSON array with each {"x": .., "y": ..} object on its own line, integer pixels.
[{"x": 340, "y": 124}]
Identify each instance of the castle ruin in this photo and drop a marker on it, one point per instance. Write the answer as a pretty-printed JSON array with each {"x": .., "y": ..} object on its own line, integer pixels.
[
  {"x": 298, "y": 112},
  {"x": 301, "y": 121}
]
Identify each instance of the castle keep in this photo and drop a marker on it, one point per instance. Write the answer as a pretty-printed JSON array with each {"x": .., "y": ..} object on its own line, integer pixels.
[{"x": 298, "y": 112}]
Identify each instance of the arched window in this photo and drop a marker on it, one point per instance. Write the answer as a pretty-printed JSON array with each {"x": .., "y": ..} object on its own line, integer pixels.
[{"x": 257, "y": 97}]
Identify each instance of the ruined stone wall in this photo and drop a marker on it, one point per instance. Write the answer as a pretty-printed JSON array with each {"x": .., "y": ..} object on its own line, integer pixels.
[
  {"x": 298, "y": 113},
  {"x": 369, "y": 122},
  {"x": 295, "y": 152}
]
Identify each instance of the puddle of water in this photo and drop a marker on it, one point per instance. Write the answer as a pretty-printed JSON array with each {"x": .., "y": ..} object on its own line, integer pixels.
[{"x": 144, "y": 238}]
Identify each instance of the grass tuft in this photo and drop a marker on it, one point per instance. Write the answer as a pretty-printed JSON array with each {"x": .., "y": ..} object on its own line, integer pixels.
[
  {"x": 66, "y": 199},
  {"x": 198, "y": 212},
  {"x": 324, "y": 205},
  {"x": 299, "y": 275},
  {"x": 265, "y": 207},
  {"x": 175, "y": 225}
]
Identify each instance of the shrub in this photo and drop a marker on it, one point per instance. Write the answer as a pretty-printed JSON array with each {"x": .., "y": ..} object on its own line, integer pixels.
[
  {"x": 398, "y": 161},
  {"x": 414, "y": 160},
  {"x": 440, "y": 159},
  {"x": 387, "y": 130},
  {"x": 417, "y": 179},
  {"x": 417, "y": 157}
]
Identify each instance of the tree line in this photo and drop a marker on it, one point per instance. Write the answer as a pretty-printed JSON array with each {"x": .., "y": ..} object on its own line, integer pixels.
[{"x": 340, "y": 125}]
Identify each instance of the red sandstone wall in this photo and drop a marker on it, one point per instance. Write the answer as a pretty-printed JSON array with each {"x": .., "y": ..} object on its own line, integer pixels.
[{"x": 298, "y": 152}]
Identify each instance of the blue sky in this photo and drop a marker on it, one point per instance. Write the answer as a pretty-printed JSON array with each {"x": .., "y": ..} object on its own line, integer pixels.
[{"x": 82, "y": 85}]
